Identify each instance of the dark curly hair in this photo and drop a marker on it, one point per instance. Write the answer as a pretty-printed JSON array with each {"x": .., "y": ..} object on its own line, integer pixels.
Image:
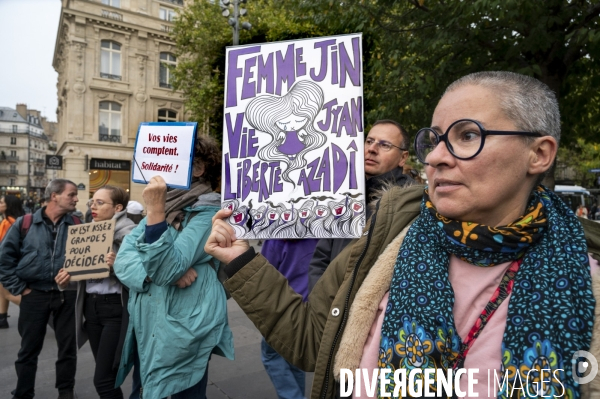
[{"x": 208, "y": 154}]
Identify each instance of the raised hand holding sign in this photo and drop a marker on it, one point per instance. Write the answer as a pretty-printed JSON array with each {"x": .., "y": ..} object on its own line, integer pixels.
[{"x": 164, "y": 149}]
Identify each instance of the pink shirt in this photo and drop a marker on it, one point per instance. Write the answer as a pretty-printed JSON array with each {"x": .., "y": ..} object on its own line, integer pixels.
[{"x": 473, "y": 287}]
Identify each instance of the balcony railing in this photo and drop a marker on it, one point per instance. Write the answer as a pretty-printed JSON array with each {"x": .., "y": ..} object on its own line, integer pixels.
[
  {"x": 176, "y": 2},
  {"x": 166, "y": 28},
  {"x": 112, "y": 15},
  {"x": 109, "y": 76},
  {"x": 38, "y": 160},
  {"x": 8, "y": 172},
  {"x": 31, "y": 131},
  {"x": 39, "y": 173},
  {"x": 8, "y": 158},
  {"x": 110, "y": 137}
]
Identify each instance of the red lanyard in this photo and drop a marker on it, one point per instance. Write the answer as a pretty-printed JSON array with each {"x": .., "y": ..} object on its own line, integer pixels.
[{"x": 500, "y": 294}]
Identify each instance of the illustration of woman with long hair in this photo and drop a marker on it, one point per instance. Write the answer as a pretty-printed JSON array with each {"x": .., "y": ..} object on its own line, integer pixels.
[{"x": 289, "y": 120}]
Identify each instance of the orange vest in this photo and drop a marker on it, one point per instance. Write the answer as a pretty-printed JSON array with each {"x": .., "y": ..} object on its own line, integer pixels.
[{"x": 5, "y": 225}]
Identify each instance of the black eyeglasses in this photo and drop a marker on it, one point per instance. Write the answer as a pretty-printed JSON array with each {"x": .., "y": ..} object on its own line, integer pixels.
[
  {"x": 464, "y": 139},
  {"x": 384, "y": 145}
]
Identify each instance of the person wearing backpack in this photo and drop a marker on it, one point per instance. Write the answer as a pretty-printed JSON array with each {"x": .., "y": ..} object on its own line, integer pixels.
[
  {"x": 31, "y": 255},
  {"x": 177, "y": 305}
]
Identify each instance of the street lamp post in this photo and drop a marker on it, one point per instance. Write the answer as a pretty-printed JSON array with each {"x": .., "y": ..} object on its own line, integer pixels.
[
  {"x": 28, "y": 161},
  {"x": 234, "y": 19}
]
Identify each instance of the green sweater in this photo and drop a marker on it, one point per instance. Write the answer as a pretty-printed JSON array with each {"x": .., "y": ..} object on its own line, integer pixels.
[{"x": 308, "y": 334}]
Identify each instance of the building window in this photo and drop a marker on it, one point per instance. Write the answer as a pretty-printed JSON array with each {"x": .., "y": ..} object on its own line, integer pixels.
[
  {"x": 109, "y": 171},
  {"x": 13, "y": 182},
  {"x": 13, "y": 141},
  {"x": 15, "y": 128},
  {"x": 167, "y": 61},
  {"x": 164, "y": 115},
  {"x": 13, "y": 153},
  {"x": 113, "y": 3},
  {"x": 109, "y": 119},
  {"x": 166, "y": 14},
  {"x": 13, "y": 169},
  {"x": 110, "y": 60}
]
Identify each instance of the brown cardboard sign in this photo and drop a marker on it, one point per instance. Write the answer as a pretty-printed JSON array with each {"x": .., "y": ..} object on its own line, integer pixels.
[{"x": 87, "y": 246}]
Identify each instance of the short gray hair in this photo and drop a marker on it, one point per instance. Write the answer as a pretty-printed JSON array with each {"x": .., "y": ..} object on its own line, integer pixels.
[
  {"x": 526, "y": 101},
  {"x": 56, "y": 186}
]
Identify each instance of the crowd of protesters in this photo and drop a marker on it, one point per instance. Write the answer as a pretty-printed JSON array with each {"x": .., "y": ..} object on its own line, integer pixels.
[
  {"x": 176, "y": 318},
  {"x": 430, "y": 259}
]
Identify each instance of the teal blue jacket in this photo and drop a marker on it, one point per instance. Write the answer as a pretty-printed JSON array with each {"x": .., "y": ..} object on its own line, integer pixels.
[{"x": 176, "y": 329}]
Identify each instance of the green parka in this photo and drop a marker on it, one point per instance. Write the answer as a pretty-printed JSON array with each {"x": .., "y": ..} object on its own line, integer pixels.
[{"x": 309, "y": 334}]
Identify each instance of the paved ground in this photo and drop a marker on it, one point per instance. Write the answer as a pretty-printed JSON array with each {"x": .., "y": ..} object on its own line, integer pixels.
[{"x": 243, "y": 378}]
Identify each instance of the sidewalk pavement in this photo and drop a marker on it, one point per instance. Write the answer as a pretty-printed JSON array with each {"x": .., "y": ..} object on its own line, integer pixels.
[{"x": 244, "y": 378}]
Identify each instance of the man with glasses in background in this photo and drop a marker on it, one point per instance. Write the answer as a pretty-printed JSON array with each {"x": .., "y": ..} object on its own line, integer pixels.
[
  {"x": 302, "y": 262},
  {"x": 31, "y": 255},
  {"x": 386, "y": 152}
]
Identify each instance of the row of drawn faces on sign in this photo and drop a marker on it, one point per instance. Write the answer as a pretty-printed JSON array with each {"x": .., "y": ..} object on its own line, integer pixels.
[{"x": 339, "y": 219}]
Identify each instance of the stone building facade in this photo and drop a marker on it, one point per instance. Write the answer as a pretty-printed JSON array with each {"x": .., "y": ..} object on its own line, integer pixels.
[
  {"x": 24, "y": 145},
  {"x": 112, "y": 59}
]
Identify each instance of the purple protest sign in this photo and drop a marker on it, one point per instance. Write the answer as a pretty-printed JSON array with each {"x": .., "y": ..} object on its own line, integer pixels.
[{"x": 293, "y": 150}]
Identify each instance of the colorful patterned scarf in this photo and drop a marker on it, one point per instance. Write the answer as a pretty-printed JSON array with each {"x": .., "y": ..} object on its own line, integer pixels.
[{"x": 551, "y": 310}]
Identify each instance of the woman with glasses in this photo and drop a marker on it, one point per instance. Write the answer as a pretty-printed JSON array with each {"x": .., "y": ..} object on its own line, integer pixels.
[
  {"x": 482, "y": 269},
  {"x": 99, "y": 304}
]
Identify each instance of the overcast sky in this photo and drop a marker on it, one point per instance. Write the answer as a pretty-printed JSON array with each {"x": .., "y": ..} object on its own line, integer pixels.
[{"x": 27, "y": 35}]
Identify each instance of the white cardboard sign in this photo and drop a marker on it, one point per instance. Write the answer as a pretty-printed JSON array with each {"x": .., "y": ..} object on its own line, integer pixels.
[
  {"x": 166, "y": 150},
  {"x": 293, "y": 139}
]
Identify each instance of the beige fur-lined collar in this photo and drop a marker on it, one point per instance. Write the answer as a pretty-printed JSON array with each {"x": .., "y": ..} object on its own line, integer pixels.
[
  {"x": 375, "y": 195},
  {"x": 364, "y": 308}
]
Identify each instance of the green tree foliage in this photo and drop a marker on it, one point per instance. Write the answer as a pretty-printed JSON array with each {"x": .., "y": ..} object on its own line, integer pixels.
[
  {"x": 412, "y": 50},
  {"x": 580, "y": 158},
  {"x": 202, "y": 35},
  {"x": 415, "y": 48}
]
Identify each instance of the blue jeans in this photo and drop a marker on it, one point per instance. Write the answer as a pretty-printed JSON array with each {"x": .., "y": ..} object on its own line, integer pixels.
[{"x": 287, "y": 379}]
